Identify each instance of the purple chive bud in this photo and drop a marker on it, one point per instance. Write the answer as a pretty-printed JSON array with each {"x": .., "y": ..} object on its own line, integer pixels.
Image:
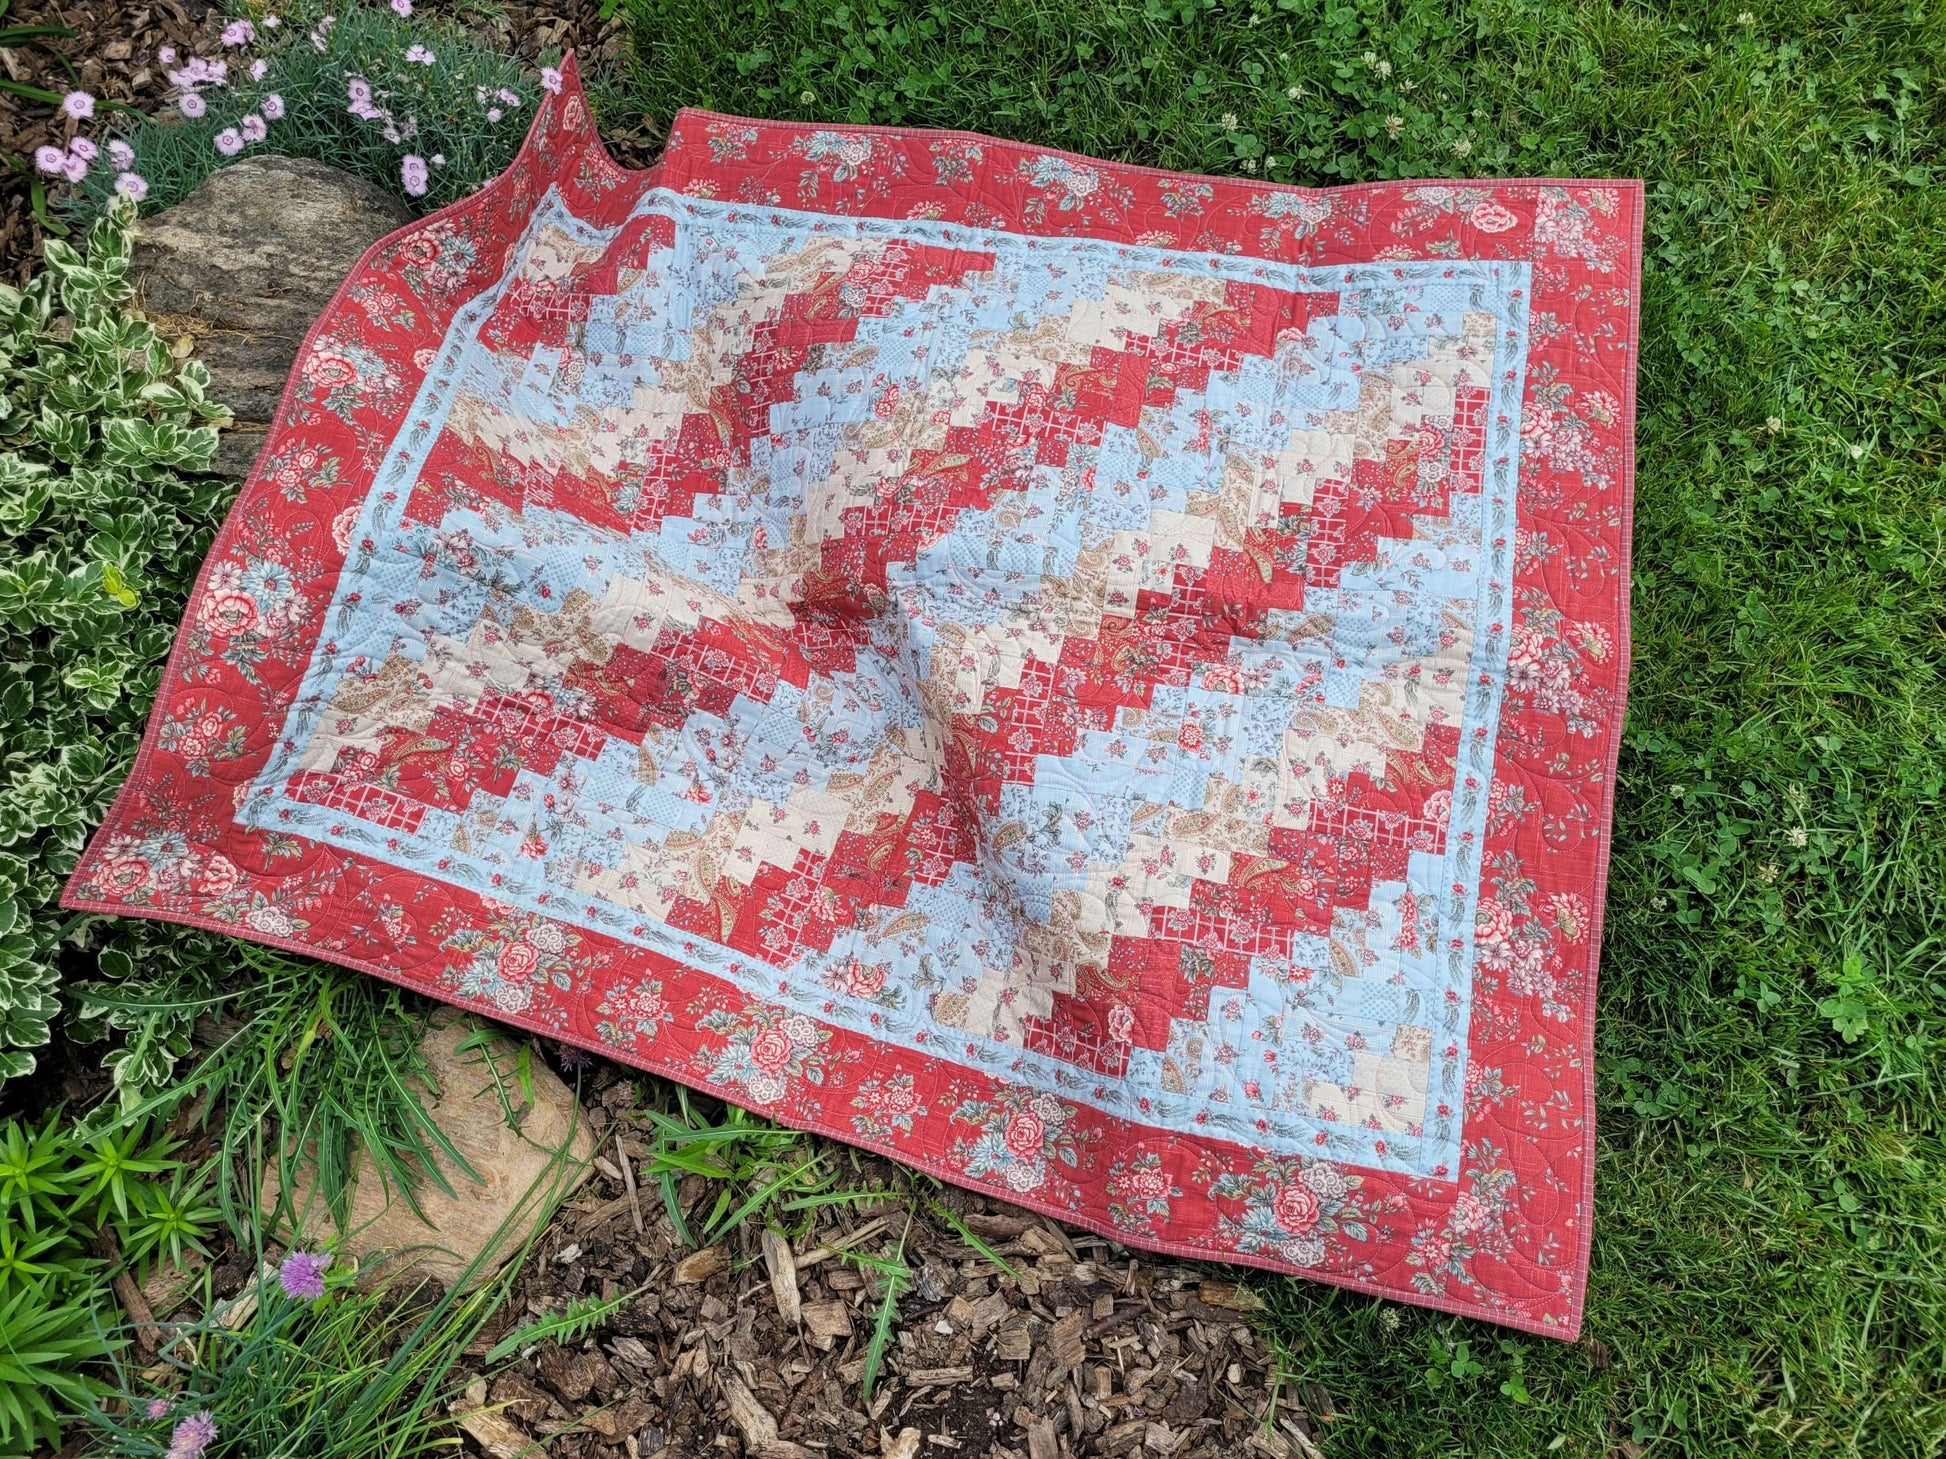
[
  {"x": 302, "y": 1274},
  {"x": 193, "y": 1435}
]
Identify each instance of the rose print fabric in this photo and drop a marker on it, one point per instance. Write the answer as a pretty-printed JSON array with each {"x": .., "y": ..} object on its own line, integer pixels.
[{"x": 1103, "y": 685}]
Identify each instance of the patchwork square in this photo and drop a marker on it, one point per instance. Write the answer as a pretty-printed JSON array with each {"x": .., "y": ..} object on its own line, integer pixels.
[{"x": 1101, "y": 684}]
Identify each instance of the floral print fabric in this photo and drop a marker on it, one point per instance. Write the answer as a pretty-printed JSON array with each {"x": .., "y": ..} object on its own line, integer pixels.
[{"x": 1103, "y": 685}]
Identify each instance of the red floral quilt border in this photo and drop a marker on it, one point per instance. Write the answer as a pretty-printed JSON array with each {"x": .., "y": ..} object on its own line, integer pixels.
[{"x": 1507, "y": 1241}]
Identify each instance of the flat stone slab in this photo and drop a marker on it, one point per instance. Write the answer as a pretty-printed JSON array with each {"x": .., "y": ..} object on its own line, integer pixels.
[{"x": 244, "y": 264}]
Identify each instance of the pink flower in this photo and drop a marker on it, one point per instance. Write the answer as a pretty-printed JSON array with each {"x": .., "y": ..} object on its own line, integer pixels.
[
  {"x": 271, "y": 22},
  {"x": 1492, "y": 218},
  {"x": 770, "y": 1050},
  {"x": 272, "y": 107},
  {"x": 863, "y": 979},
  {"x": 302, "y": 1274},
  {"x": 518, "y": 960},
  {"x": 125, "y": 875},
  {"x": 419, "y": 55},
  {"x": 551, "y": 80},
  {"x": 121, "y": 154},
  {"x": 158, "y": 1408},
  {"x": 51, "y": 160},
  {"x": 228, "y": 142},
  {"x": 167, "y": 55},
  {"x": 239, "y": 33},
  {"x": 78, "y": 104},
  {"x": 254, "y": 129},
  {"x": 358, "y": 91},
  {"x": 1025, "y": 1133},
  {"x": 330, "y": 371},
  {"x": 191, "y": 105},
  {"x": 228, "y": 613},
  {"x": 193, "y": 1435},
  {"x": 220, "y": 876},
  {"x": 1148, "y": 1185},
  {"x": 494, "y": 113},
  {"x": 75, "y": 167},
  {"x": 83, "y": 148},
  {"x": 259, "y": 69},
  {"x": 132, "y": 185},
  {"x": 412, "y": 172},
  {"x": 510, "y": 98},
  {"x": 1296, "y": 1209},
  {"x": 1190, "y": 735},
  {"x": 403, "y": 7}
]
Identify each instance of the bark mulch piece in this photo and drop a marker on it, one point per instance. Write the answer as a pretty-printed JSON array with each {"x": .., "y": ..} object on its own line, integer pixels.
[{"x": 757, "y": 1347}]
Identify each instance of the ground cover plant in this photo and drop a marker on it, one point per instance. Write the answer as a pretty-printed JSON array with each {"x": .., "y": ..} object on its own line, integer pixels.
[
  {"x": 411, "y": 102},
  {"x": 103, "y": 532},
  {"x": 1770, "y": 1193}
]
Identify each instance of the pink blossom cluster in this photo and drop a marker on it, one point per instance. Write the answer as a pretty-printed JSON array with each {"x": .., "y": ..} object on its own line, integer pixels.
[
  {"x": 359, "y": 102},
  {"x": 73, "y": 161},
  {"x": 487, "y": 99}
]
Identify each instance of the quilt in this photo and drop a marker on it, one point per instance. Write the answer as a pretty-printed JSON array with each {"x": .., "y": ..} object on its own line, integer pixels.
[{"x": 1100, "y": 684}]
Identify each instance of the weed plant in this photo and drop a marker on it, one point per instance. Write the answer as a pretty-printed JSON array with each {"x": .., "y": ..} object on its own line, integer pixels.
[
  {"x": 305, "y": 1066},
  {"x": 102, "y": 526}
]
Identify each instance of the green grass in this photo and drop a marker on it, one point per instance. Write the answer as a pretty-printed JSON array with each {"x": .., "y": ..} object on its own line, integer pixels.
[{"x": 1769, "y": 1270}]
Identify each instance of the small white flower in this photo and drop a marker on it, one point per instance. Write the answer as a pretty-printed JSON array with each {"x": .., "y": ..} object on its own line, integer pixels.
[
  {"x": 1774, "y": 424},
  {"x": 1293, "y": 92},
  {"x": 1857, "y": 451},
  {"x": 1229, "y": 121}
]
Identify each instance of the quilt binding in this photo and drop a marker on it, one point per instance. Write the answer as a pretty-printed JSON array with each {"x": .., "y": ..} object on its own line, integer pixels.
[{"x": 257, "y": 484}]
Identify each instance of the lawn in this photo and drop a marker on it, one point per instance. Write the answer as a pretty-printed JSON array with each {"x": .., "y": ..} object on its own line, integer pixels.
[{"x": 1769, "y": 1269}]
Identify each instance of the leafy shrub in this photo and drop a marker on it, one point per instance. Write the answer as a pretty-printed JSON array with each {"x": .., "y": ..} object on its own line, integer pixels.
[
  {"x": 100, "y": 534},
  {"x": 409, "y": 103}
]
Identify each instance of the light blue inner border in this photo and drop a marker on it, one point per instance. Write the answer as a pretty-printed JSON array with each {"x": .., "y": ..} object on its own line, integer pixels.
[{"x": 1499, "y": 287}]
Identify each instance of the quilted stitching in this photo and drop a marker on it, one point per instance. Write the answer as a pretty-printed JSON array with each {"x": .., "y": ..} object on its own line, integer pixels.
[{"x": 1099, "y": 683}]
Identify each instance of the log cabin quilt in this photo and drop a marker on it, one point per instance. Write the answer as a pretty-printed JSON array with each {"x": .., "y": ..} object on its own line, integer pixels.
[{"x": 1100, "y": 684}]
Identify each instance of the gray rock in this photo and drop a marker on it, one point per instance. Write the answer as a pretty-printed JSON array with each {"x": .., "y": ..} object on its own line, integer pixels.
[{"x": 244, "y": 264}]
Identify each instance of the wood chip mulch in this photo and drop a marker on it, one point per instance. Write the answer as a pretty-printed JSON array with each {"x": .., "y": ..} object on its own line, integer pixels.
[{"x": 754, "y": 1346}]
